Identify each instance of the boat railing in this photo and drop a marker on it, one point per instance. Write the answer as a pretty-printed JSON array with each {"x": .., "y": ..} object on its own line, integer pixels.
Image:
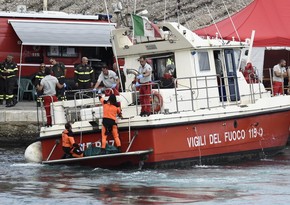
[
  {"x": 194, "y": 89},
  {"x": 87, "y": 105},
  {"x": 44, "y": 107},
  {"x": 210, "y": 91},
  {"x": 155, "y": 105}
]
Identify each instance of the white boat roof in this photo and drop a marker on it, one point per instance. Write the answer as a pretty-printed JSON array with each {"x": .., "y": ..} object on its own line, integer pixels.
[
  {"x": 174, "y": 37},
  {"x": 52, "y": 15}
]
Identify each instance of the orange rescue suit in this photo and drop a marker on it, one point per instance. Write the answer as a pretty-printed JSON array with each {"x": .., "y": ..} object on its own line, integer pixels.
[
  {"x": 110, "y": 113},
  {"x": 68, "y": 144}
]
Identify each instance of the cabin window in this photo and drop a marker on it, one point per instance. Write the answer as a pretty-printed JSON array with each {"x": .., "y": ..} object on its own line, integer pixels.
[
  {"x": 230, "y": 62},
  {"x": 203, "y": 61}
]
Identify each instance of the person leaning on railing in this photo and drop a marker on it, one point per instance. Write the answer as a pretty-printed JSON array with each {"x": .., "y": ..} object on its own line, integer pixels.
[
  {"x": 110, "y": 80},
  {"x": 48, "y": 84}
]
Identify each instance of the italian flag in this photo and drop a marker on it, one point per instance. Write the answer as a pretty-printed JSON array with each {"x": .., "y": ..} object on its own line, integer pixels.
[{"x": 143, "y": 27}]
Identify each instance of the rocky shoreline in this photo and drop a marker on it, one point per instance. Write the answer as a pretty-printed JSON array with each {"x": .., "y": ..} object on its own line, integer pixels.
[
  {"x": 16, "y": 134},
  {"x": 18, "y": 124},
  {"x": 193, "y": 13}
]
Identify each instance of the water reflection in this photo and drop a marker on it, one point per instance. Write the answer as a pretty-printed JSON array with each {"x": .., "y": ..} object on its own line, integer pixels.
[{"x": 257, "y": 181}]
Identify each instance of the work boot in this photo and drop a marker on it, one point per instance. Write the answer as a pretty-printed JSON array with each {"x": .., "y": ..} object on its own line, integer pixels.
[{"x": 9, "y": 105}]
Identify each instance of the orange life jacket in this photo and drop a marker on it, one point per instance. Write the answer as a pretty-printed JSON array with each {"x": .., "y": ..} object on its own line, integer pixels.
[{"x": 110, "y": 111}]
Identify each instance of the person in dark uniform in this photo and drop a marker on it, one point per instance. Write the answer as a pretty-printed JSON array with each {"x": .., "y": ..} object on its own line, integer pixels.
[
  {"x": 122, "y": 77},
  {"x": 59, "y": 71},
  {"x": 84, "y": 75},
  {"x": 38, "y": 77},
  {"x": 8, "y": 71},
  {"x": 2, "y": 85}
]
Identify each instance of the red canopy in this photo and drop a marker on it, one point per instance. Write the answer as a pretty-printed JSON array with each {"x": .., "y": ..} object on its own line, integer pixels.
[{"x": 269, "y": 18}]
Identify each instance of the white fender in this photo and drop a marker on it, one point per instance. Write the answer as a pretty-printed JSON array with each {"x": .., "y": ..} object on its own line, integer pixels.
[{"x": 33, "y": 153}]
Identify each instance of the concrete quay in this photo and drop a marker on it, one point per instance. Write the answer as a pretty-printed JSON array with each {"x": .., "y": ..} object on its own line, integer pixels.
[{"x": 19, "y": 124}]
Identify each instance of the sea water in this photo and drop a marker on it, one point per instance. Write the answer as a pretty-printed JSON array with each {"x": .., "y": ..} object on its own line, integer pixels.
[{"x": 265, "y": 181}]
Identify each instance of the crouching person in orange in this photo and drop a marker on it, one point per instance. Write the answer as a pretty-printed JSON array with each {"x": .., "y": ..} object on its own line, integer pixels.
[
  {"x": 70, "y": 148},
  {"x": 110, "y": 111}
]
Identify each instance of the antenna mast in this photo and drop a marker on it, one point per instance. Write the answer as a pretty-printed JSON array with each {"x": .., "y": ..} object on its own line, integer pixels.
[
  {"x": 164, "y": 10},
  {"x": 178, "y": 12},
  {"x": 113, "y": 45},
  {"x": 214, "y": 23},
  {"x": 44, "y": 5},
  {"x": 232, "y": 21}
]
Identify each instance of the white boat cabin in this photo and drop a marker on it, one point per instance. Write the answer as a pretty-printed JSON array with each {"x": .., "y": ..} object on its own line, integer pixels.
[{"x": 189, "y": 74}]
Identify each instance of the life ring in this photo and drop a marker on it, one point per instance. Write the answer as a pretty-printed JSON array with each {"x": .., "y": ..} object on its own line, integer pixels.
[{"x": 156, "y": 101}]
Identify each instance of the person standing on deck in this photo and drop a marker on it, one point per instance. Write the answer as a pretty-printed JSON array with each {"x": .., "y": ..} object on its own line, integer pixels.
[
  {"x": 144, "y": 78},
  {"x": 59, "y": 71},
  {"x": 84, "y": 75},
  {"x": 38, "y": 77},
  {"x": 48, "y": 84},
  {"x": 279, "y": 73},
  {"x": 110, "y": 111}
]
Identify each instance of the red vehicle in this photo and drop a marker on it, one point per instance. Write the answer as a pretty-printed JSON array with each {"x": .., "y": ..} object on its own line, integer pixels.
[{"x": 33, "y": 38}]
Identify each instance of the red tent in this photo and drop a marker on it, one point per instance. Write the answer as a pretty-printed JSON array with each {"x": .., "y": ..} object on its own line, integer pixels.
[{"x": 269, "y": 18}]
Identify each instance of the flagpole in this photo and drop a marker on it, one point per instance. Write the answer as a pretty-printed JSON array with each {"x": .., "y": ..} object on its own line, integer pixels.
[
  {"x": 113, "y": 45},
  {"x": 164, "y": 11},
  {"x": 135, "y": 2}
]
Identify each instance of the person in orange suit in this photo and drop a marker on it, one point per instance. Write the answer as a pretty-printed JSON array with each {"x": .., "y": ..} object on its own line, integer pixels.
[
  {"x": 70, "y": 148},
  {"x": 110, "y": 111}
]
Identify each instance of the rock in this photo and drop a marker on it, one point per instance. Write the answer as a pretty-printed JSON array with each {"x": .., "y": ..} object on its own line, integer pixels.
[{"x": 17, "y": 133}]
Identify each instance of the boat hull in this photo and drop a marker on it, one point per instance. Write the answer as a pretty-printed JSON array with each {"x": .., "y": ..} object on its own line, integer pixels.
[
  {"x": 112, "y": 161},
  {"x": 205, "y": 142}
]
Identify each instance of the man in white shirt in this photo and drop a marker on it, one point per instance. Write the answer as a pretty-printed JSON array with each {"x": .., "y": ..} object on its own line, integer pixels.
[
  {"x": 48, "y": 84},
  {"x": 279, "y": 73},
  {"x": 144, "y": 78},
  {"x": 110, "y": 80}
]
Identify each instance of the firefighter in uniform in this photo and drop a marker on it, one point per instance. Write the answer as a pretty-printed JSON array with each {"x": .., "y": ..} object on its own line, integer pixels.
[
  {"x": 38, "y": 77},
  {"x": 8, "y": 71},
  {"x": 59, "y": 71},
  {"x": 84, "y": 75},
  {"x": 2, "y": 85}
]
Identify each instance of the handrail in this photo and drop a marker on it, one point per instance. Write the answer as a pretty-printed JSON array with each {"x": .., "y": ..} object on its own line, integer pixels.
[
  {"x": 152, "y": 84},
  {"x": 225, "y": 94},
  {"x": 42, "y": 106}
]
